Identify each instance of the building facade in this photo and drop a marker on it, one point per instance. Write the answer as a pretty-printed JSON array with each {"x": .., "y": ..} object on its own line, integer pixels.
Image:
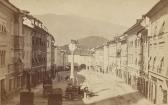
[
  {"x": 106, "y": 57},
  {"x": 112, "y": 55},
  {"x": 11, "y": 49},
  {"x": 39, "y": 52},
  {"x": 27, "y": 53},
  {"x": 134, "y": 53},
  {"x": 23, "y": 49},
  {"x": 158, "y": 57},
  {"x": 61, "y": 58},
  {"x": 99, "y": 58},
  {"x": 123, "y": 58}
]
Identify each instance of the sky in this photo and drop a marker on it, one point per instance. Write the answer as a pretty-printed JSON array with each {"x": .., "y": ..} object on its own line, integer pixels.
[{"x": 122, "y": 12}]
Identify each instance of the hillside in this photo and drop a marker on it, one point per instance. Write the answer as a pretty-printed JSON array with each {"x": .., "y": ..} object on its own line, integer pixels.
[
  {"x": 91, "y": 41},
  {"x": 87, "y": 43}
]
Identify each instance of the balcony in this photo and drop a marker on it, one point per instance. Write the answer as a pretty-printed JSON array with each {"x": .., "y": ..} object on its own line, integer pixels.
[{"x": 18, "y": 42}]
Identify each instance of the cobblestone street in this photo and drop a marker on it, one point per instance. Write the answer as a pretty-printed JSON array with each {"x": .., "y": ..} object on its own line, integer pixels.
[
  {"x": 111, "y": 90},
  {"x": 108, "y": 90}
]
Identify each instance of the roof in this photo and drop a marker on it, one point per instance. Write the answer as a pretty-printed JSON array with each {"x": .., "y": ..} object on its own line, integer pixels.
[
  {"x": 135, "y": 28},
  {"x": 10, "y": 5},
  {"x": 156, "y": 8},
  {"x": 112, "y": 41}
]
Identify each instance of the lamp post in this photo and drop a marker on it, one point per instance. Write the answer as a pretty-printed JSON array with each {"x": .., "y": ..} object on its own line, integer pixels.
[{"x": 72, "y": 48}]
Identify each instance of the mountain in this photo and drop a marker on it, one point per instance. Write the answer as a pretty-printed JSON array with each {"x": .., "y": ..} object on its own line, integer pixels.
[
  {"x": 87, "y": 43},
  {"x": 91, "y": 41},
  {"x": 67, "y": 27}
]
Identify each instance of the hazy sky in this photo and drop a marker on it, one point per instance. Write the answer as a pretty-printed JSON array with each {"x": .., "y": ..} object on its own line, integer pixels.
[{"x": 123, "y": 12}]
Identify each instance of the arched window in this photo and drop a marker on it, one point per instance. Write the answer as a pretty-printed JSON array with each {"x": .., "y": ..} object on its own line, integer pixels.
[
  {"x": 155, "y": 31},
  {"x": 154, "y": 61},
  {"x": 149, "y": 63},
  {"x": 162, "y": 28},
  {"x": 136, "y": 42},
  {"x": 161, "y": 65}
]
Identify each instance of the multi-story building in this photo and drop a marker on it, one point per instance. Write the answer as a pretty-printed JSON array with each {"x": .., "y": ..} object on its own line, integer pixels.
[
  {"x": 99, "y": 58},
  {"x": 123, "y": 57},
  {"x": 112, "y": 55},
  {"x": 118, "y": 57},
  {"x": 50, "y": 43},
  {"x": 39, "y": 52},
  {"x": 158, "y": 57},
  {"x": 140, "y": 57},
  {"x": 143, "y": 55},
  {"x": 58, "y": 57},
  {"x": 81, "y": 57},
  {"x": 27, "y": 53},
  {"x": 61, "y": 58},
  {"x": 23, "y": 47},
  {"x": 106, "y": 57},
  {"x": 134, "y": 53},
  {"x": 11, "y": 48},
  {"x": 53, "y": 64}
]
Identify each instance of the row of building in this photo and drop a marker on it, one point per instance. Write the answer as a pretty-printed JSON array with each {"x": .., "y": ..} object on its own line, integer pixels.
[
  {"x": 139, "y": 56},
  {"x": 26, "y": 46}
]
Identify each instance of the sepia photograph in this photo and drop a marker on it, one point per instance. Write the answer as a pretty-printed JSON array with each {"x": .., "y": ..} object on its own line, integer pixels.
[{"x": 83, "y": 52}]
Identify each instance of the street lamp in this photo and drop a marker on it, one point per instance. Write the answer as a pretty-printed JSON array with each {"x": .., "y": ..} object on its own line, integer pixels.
[{"x": 72, "y": 48}]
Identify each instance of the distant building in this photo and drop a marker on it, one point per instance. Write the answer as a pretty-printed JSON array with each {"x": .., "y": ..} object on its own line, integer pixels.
[
  {"x": 49, "y": 49},
  {"x": 112, "y": 55},
  {"x": 61, "y": 58},
  {"x": 81, "y": 56},
  {"x": 99, "y": 58},
  {"x": 106, "y": 57},
  {"x": 123, "y": 57}
]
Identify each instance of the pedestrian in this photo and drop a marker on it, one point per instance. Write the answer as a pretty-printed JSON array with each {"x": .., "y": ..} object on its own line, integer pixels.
[{"x": 86, "y": 93}]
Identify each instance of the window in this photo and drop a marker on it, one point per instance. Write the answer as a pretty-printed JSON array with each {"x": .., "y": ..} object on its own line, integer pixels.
[
  {"x": 136, "y": 61},
  {"x": 2, "y": 58},
  {"x": 161, "y": 31},
  {"x": 154, "y": 61},
  {"x": 149, "y": 63},
  {"x": 136, "y": 43},
  {"x": 160, "y": 69},
  {"x": 3, "y": 28},
  {"x": 155, "y": 32},
  {"x": 10, "y": 84}
]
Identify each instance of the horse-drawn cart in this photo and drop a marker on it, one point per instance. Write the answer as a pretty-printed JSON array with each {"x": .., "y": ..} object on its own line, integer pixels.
[{"x": 73, "y": 92}]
